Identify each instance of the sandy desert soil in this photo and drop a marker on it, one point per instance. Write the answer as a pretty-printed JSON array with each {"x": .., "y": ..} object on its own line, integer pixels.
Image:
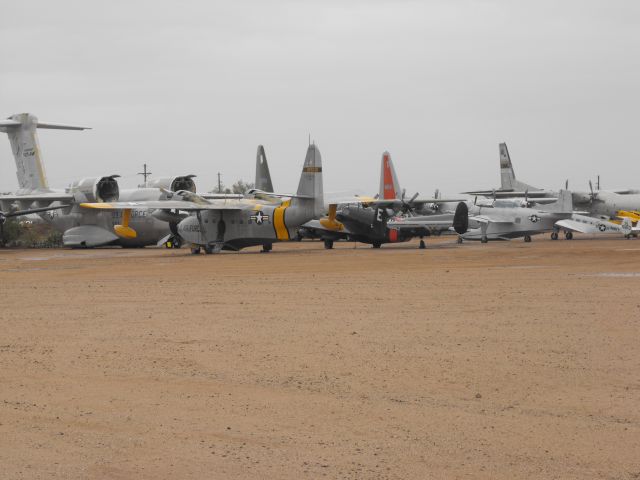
[{"x": 507, "y": 361}]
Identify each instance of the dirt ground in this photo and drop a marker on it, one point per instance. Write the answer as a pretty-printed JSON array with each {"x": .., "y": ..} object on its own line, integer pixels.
[{"x": 502, "y": 361}]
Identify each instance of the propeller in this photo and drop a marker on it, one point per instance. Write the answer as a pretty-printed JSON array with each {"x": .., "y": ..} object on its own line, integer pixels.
[
  {"x": 408, "y": 206},
  {"x": 592, "y": 194}
]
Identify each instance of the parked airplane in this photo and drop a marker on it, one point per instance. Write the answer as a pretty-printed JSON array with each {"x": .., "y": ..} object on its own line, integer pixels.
[
  {"x": 81, "y": 228},
  {"x": 233, "y": 224},
  {"x": 507, "y": 219},
  {"x": 590, "y": 225},
  {"x": 90, "y": 228},
  {"x": 367, "y": 219},
  {"x": 596, "y": 202}
]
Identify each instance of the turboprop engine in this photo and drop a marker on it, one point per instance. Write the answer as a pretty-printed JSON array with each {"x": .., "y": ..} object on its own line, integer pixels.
[
  {"x": 174, "y": 183},
  {"x": 96, "y": 190}
]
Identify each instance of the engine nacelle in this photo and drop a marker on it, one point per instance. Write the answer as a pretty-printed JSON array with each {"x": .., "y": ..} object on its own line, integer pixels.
[
  {"x": 92, "y": 190},
  {"x": 174, "y": 183}
]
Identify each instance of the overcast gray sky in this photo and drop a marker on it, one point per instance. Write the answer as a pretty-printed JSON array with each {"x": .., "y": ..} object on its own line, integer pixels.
[{"x": 195, "y": 86}]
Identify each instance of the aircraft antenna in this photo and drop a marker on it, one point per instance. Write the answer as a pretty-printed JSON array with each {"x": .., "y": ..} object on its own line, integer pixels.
[
  {"x": 219, "y": 184},
  {"x": 145, "y": 173}
]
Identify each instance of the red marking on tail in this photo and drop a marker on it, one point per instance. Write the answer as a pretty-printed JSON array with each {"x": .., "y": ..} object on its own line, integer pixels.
[{"x": 389, "y": 191}]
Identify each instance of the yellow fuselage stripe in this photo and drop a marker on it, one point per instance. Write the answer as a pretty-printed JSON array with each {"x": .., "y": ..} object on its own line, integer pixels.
[{"x": 278, "y": 222}]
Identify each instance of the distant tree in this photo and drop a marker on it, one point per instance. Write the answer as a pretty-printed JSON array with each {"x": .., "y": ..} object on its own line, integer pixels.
[
  {"x": 221, "y": 189},
  {"x": 241, "y": 187}
]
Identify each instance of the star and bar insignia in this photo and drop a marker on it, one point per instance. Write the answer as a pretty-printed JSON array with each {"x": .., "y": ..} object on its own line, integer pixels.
[{"x": 259, "y": 217}]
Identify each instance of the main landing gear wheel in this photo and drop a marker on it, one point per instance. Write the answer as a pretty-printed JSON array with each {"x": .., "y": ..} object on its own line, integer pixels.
[
  {"x": 484, "y": 239},
  {"x": 527, "y": 238},
  {"x": 208, "y": 249},
  {"x": 328, "y": 244},
  {"x": 459, "y": 240},
  {"x": 266, "y": 248},
  {"x": 568, "y": 235},
  {"x": 376, "y": 244},
  {"x": 422, "y": 245},
  {"x": 195, "y": 249},
  {"x": 554, "y": 235}
]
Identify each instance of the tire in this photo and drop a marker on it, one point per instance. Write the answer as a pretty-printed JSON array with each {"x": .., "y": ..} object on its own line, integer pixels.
[
  {"x": 195, "y": 249},
  {"x": 568, "y": 235},
  {"x": 527, "y": 238},
  {"x": 422, "y": 245},
  {"x": 328, "y": 244},
  {"x": 484, "y": 239},
  {"x": 208, "y": 249},
  {"x": 554, "y": 235},
  {"x": 376, "y": 244}
]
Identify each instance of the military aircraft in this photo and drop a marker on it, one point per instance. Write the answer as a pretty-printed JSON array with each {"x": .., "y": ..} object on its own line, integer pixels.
[
  {"x": 368, "y": 219},
  {"x": 233, "y": 224},
  {"x": 81, "y": 228},
  {"x": 595, "y": 202},
  {"x": 92, "y": 228},
  {"x": 591, "y": 225},
  {"x": 504, "y": 219}
]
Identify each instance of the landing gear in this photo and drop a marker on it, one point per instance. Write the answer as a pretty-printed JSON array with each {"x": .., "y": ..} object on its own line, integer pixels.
[
  {"x": 422, "y": 245},
  {"x": 208, "y": 249},
  {"x": 195, "y": 249},
  {"x": 554, "y": 235},
  {"x": 527, "y": 238},
  {"x": 266, "y": 247},
  {"x": 459, "y": 241},
  {"x": 568, "y": 235},
  {"x": 328, "y": 244},
  {"x": 376, "y": 244},
  {"x": 484, "y": 239}
]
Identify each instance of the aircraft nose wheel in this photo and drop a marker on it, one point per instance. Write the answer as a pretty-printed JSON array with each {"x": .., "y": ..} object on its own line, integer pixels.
[
  {"x": 422, "y": 245},
  {"x": 328, "y": 244},
  {"x": 527, "y": 238},
  {"x": 554, "y": 235},
  {"x": 568, "y": 235},
  {"x": 484, "y": 239},
  {"x": 376, "y": 244},
  {"x": 459, "y": 240}
]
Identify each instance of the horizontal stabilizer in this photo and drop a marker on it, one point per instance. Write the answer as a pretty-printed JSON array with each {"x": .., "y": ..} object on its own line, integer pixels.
[
  {"x": 60, "y": 126},
  {"x": 9, "y": 123}
]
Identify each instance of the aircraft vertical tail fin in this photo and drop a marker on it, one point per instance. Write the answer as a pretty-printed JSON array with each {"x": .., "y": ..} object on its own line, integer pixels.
[
  {"x": 21, "y": 129},
  {"x": 389, "y": 185},
  {"x": 564, "y": 203},
  {"x": 310, "y": 185},
  {"x": 508, "y": 179},
  {"x": 507, "y": 176},
  {"x": 263, "y": 177}
]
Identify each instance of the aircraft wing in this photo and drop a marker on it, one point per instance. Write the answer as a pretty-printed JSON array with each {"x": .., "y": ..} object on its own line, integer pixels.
[
  {"x": 165, "y": 205},
  {"x": 574, "y": 226},
  {"x": 486, "y": 220},
  {"x": 418, "y": 222},
  {"x": 509, "y": 193},
  {"x": 39, "y": 197},
  {"x": 397, "y": 203}
]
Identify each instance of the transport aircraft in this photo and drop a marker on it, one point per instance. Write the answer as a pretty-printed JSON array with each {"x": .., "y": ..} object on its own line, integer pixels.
[
  {"x": 232, "y": 223},
  {"x": 367, "y": 219},
  {"x": 505, "y": 219},
  {"x": 92, "y": 228},
  {"x": 595, "y": 202}
]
